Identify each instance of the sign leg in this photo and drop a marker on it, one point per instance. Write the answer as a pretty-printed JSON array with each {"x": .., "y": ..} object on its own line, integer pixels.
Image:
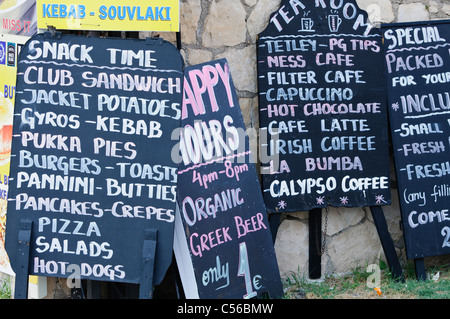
[
  {"x": 177, "y": 280},
  {"x": 179, "y": 44},
  {"x": 386, "y": 242},
  {"x": 274, "y": 223},
  {"x": 24, "y": 237},
  {"x": 421, "y": 273},
  {"x": 148, "y": 264},
  {"x": 315, "y": 243}
]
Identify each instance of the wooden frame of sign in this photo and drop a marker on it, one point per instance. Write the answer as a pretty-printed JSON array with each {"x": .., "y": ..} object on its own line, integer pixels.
[
  {"x": 88, "y": 198},
  {"x": 417, "y": 60},
  {"x": 323, "y": 116}
]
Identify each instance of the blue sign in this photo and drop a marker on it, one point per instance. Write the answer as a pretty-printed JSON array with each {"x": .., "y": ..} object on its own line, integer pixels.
[{"x": 2, "y": 52}]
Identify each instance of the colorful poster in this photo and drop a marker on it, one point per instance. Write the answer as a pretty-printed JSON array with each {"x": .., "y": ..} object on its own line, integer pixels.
[
  {"x": 10, "y": 46},
  {"x": 18, "y": 17},
  {"x": 109, "y": 15}
]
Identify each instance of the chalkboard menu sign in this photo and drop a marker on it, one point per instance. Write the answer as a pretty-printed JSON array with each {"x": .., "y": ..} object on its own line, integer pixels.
[
  {"x": 417, "y": 60},
  {"x": 322, "y": 108},
  {"x": 225, "y": 227},
  {"x": 91, "y": 165}
]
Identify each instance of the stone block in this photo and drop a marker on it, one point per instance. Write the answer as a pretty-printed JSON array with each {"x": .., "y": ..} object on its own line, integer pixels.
[
  {"x": 250, "y": 3},
  {"x": 225, "y": 24},
  {"x": 446, "y": 9},
  {"x": 412, "y": 12},
  {"x": 379, "y": 11},
  {"x": 242, "y": 64},
  {"x": 190, "y": 12},
  {"x": 199, "y": 56},
  {"x": 259, "y": 17},
  {"x": 357, "y": 246},
  {"x": 341, "y": 218},
  {"x": 433, "y": 7},
  {"x": 291, "y": 247}
]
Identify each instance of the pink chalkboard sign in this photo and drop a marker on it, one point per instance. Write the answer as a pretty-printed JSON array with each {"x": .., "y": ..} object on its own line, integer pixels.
[{"x": 224, "y": 222}]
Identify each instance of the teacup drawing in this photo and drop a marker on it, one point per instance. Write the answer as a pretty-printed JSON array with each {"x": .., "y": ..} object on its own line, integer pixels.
[{"x": 307, "y": 24}]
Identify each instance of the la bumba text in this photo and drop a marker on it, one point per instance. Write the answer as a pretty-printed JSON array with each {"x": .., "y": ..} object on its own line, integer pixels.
[{"x": 78, "y": 11}]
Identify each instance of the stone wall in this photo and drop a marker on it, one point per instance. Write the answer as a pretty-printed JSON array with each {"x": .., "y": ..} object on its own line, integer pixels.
[{"x": 213, "y": 29}]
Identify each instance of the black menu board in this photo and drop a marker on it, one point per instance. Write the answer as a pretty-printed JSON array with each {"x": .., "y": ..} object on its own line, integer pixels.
[
  {"x": 224, "y": 222},
  {"x": 91, "y": 165},
  {"x": 417, "y": 59},
  {"x": 322, "y": 108}
]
